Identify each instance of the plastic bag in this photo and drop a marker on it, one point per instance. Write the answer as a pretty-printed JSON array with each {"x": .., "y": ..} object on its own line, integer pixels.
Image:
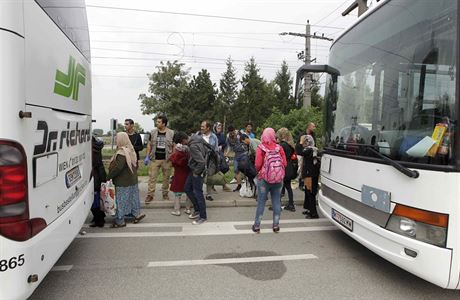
[
  {"x": 246, "y": 191},
  {"x": 108, "y": 198}
]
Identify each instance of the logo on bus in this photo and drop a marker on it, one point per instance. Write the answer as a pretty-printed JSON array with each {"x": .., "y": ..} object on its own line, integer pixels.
[{"x": 68, "y": 85}]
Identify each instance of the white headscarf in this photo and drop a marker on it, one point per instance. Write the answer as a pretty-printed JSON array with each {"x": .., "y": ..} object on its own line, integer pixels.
[{"x": 125, "y": 148}]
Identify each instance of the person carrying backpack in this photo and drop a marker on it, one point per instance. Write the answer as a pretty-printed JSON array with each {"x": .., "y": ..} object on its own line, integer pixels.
[
  {"x": 270, "y": 166},
  {"x": 198, "y": 164}
]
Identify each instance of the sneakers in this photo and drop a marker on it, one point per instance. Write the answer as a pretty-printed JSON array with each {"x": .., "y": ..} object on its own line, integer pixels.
[
  {"x": 276, "y": 228},
  {"x": 194, "y": 215},
  {"x": 255, "y": 228},
  {"x": 238, "y": 187},
  {"x": 187, "y": 211},
  {"x": 148, "y": 199},
  {"x": 175, "y": 213},
  {"x": 199, "y": 221},
  {"x": 209, "y": 198}
]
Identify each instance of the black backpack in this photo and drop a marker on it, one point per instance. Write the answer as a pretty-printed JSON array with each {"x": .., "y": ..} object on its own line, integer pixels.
[{"x": 212, "y": 160}]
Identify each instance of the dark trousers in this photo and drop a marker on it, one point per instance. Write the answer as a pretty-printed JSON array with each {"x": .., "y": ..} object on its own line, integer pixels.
[
  {"x": 194, "y": 190},
  {"x": 288, "y": 188},
  {"x": 309, "y": 202},
  {"x": 98, "y": 214}
]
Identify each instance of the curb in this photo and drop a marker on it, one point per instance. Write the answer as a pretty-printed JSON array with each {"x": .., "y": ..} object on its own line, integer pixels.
[{"x": 216, "y": 203}]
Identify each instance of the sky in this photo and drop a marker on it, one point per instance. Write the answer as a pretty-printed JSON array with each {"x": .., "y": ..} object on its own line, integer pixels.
[{"x": 130, "y": 42}]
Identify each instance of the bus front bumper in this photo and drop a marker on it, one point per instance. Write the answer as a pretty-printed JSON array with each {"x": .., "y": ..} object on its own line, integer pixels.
[{"x": 432, "y": 263}]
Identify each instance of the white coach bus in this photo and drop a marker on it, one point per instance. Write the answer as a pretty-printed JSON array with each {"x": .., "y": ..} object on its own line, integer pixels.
[
  {"x": 390, "y": 173},
  {"x": 45, "y": 137}
]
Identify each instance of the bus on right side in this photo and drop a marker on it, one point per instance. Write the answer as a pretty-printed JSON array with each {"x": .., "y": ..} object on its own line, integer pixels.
[{"x": 390, "y": 172}]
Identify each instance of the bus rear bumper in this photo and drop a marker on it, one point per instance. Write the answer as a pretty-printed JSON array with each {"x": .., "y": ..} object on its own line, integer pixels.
[
  {"x": 42, "y": 251},
  {"x": 432, "y": 263}
]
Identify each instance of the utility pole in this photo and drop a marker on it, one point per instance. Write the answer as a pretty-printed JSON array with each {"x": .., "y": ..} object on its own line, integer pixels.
[
  {"x": 307, "y": 79},
  {"x": 360, "y": 4},
  {"x": 307, "y": 59}
]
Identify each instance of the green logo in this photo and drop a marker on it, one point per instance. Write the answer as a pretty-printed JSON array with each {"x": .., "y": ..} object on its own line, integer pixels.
[{"x": 68, "y": 84}]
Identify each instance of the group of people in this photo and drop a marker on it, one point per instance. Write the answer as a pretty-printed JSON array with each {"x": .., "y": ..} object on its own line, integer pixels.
[{"x": 269, "y": 166}]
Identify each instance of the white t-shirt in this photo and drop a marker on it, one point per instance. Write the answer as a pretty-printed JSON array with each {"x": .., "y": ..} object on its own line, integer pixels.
[{"x": 206, "y": 137}]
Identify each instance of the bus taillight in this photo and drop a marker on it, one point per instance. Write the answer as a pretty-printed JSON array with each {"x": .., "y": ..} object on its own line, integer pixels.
[{"x": 14, "y": 209}]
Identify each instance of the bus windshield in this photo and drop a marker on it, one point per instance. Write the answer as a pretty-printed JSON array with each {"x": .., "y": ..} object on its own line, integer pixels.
[{"x": 397, "y": 83}]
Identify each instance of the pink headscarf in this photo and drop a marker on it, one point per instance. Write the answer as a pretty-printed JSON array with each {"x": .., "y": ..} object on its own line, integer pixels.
[{"x": 268, "y": 137}]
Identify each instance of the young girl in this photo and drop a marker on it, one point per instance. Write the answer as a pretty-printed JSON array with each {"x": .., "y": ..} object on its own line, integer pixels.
[{"x": 179, "y": 160}]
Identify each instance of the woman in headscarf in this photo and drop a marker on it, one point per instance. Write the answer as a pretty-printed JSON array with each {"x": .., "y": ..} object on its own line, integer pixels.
[
  {"x": 287, "y": 142},
  {"x": 270, "y": 165},
  {"x": 310, "y": 173},
  {"x": 123, "y": 172}
]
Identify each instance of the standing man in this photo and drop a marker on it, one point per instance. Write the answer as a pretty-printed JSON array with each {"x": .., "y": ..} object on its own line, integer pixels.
[
  {"x": 134, "y": 137},
  {"x": 208, "y": 135},
  {"x": 248, "y": 130},
  {"x": 194, "y": 182},
  {"x": 159, "y": 149},
  {"x": 210, "y": 138}
]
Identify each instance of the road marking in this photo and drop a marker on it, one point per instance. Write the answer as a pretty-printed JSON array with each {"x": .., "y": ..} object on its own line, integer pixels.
[
  {"x": 205, "y": 229},
  {"x": 234, "y": 223},
  {"x": 65, "y": 268},
  {"x": 241, "y": 260}
]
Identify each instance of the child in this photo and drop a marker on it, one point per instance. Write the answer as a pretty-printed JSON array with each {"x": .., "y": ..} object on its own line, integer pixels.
[{"x": 179, "y": 160}]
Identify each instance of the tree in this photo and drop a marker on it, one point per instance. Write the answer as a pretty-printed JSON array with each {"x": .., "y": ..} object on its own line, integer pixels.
[
  {"x": 255, "y": 101},
  {"x": 120, "y": 127},
  {"x": 296, "y": 121},
  {"x": 316, "y": 98},
  {"x": 228, "y": 92},
  {"x": 197, "y": 104},
  {"x": 138, "y": 128},
  {"x": 283, "y": 89},
  {"x": 166, "y": 87},
  {"x": 98, "y": 132}
]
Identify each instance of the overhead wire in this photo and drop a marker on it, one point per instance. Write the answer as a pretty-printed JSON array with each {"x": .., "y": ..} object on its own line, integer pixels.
[{"x": 196, "y": 15}]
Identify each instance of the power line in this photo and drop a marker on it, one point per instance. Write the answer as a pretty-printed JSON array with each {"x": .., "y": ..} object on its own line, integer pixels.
[
  {"x": 241, "y": 64},
  {"x": 183, "y": 32},
  {"x": 194, "y": 15},
  {"x": 199, "y": 45},
  {"x": 169, "y": 54},
  {"x": 322, "y": 19}
]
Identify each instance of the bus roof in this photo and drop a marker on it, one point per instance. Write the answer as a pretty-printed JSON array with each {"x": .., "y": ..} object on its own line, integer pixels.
[{"x": 370, "y": 11}]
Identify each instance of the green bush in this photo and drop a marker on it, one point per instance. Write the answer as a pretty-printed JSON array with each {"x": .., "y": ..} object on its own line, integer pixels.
[{"x": 296, "y": 121}]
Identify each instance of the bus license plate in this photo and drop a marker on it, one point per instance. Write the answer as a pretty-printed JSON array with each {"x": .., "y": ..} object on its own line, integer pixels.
[
  {"x": 342, "y": 220},
  {"x": 72, "y": 176}
]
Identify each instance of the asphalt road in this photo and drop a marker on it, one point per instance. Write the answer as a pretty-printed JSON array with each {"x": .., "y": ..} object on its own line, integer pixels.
[{"x": 165, "y": 257}]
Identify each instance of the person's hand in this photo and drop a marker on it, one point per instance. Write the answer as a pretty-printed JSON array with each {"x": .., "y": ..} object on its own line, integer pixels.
[{"x": 146, "y": 160}]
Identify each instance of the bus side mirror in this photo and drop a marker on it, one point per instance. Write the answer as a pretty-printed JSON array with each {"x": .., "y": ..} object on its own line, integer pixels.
[{"x": 307, "y": 68}]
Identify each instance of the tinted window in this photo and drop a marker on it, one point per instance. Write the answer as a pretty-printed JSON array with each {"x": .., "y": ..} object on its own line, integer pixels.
[
  {"x": 70, "y": 17},
  {"x": 397, "y": 84}
]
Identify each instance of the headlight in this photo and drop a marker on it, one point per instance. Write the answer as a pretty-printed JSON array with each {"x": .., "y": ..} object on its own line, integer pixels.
[{"x": 425, "y": 226}]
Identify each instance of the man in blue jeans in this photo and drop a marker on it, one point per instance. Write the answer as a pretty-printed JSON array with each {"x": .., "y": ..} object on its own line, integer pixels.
[{"x": 194, "y": 183}]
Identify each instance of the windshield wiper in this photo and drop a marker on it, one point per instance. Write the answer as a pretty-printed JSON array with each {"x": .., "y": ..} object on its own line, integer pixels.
[{"x": 406, "y": 171}]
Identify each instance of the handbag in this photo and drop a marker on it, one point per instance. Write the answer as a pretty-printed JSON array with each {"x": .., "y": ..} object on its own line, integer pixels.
[{"x": 108, "y": 198}]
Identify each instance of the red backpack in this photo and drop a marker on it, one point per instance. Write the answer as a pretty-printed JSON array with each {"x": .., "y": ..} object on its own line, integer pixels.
[{"x": 272, "y": 170}]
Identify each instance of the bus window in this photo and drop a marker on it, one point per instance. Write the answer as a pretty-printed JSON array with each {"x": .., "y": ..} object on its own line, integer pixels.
[{"x": 70, "y": 17}]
